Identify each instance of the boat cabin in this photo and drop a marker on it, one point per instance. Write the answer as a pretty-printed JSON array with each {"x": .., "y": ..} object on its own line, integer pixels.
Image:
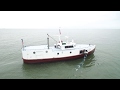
[{"x": 64, "y": 45}]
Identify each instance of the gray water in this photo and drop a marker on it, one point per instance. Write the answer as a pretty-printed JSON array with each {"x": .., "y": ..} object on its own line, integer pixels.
[{"x": 103, "y": 64}]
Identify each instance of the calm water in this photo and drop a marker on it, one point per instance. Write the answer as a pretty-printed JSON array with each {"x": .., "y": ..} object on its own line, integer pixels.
[{"x": 103, "y": 64}]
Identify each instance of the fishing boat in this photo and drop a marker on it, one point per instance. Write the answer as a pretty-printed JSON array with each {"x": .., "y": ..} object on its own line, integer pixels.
[{"x": 61, "y": 50}]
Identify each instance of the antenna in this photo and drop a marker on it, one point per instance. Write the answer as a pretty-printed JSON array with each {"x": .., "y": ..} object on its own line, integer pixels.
[
  {"x": 59, "y": 30},
  {"x": 59, "y": 35}
]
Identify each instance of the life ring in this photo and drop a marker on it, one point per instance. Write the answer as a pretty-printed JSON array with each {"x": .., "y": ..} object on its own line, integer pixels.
[{"x": 58, "y": 46}]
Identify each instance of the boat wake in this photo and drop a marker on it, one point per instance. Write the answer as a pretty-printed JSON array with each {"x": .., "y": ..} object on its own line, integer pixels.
[
  {"x": 87, "y": 61},
  {"x": 4, "y": 64}
]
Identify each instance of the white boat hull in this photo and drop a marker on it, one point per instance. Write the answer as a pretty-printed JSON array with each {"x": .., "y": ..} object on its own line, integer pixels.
[{"x": 38, "y": 54}]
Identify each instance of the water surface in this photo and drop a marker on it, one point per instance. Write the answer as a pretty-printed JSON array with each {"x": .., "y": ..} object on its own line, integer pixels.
[{"x": 103, "y": 64}]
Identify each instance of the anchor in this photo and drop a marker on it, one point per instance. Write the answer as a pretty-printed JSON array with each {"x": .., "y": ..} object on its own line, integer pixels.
[{"x": 85, "y": 53}]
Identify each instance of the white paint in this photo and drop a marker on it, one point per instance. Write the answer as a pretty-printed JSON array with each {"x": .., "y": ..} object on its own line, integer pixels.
[
  {"x": 27, "y": 53},
  {"x": 59, "y": 50}
]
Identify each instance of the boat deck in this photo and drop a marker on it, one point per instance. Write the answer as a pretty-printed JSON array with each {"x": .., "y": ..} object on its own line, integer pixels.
[{"x": 43, "y": 47}]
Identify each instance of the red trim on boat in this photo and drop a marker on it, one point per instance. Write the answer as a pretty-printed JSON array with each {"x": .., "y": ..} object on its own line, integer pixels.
[{"x": 56, "y": 59}]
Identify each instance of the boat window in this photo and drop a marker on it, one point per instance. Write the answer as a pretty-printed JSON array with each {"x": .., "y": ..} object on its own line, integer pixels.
[
  {"x": 68, "y": 46},
  {"x": 63, "y": 43},
  {"x": 86, "y": 50},
  {"x": 70, "y": 52},
  {"x": 57, "y": 53},
  {"x": 46, "y": 51},
  {"x": 33, "y": 52}
]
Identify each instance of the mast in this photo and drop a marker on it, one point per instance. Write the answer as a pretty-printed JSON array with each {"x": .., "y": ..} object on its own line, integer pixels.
[
  {"x": 22, "y": 44},
  {"x": 59, "y": 35},
  {"x": 48, "y": 41},
  {"x": 59, "y": 39}
]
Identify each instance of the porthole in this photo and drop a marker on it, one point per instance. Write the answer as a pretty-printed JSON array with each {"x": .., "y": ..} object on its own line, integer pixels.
[
  {"x": 57, "y": 53},
  {"x": 81, "y": 51},
  {"x": 33, "y": 52},
  {"x": 70, "y": 52},
  {"x": 46, "y": 51}
]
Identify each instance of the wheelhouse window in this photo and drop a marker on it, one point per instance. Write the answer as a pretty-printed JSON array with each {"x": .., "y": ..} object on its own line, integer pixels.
[
  {"x": 63, "y": 43},
  {"x": 68, "y": 46}
]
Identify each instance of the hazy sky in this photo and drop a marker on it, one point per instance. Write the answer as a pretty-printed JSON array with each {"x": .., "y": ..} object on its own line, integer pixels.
[{"x": 63, "y": 19}]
